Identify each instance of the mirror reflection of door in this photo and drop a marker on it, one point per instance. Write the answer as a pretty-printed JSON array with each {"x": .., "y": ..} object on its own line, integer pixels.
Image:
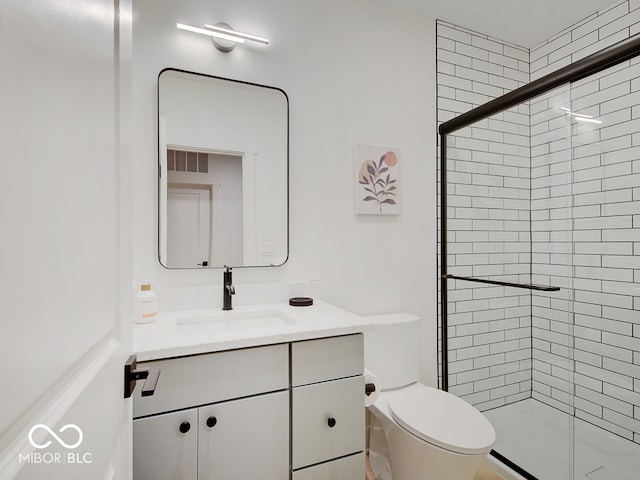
[
  {"x": 189, "y": 216},
  {"x": 204, "y": 209}
]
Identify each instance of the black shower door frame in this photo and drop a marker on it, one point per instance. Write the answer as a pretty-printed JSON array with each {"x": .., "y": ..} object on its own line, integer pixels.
[{"x": 606, "y": 58}]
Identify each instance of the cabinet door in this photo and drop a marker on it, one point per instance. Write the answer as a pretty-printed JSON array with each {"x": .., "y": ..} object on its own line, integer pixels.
[
  {"x": 327, "y": 421},
  {"x": 165, "y": 446},
  {"x": 245, "y": 439}
]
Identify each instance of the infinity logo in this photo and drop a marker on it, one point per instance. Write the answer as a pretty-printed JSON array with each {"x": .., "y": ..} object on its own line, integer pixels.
[{"x": 52, "y": 433}]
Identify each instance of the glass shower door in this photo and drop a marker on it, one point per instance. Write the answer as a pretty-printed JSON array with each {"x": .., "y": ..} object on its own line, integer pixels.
[
  {"x": 550, "y": 409},
  {"x": 547, "y": 194},
  {"x": 508, "y": 248},
  {"x": 605, "y": 113}
]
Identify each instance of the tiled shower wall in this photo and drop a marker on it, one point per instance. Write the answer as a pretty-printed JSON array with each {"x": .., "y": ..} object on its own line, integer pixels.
[
  {"x": 580, "y": 184},
  {"x": 488, "y": 218}
]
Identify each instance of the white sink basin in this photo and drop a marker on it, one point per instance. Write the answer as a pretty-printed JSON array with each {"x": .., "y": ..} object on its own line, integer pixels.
[{"x": 239, "y": 320}]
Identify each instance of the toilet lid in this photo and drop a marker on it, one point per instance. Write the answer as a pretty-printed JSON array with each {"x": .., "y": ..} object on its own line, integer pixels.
[{"x": 443, "y": 419}]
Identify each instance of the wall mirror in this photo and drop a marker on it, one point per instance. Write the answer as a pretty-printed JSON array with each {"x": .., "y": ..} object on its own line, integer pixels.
[{"x": 223, "y": 150}]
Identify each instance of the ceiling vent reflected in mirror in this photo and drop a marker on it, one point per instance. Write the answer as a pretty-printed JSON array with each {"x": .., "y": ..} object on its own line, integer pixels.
[{"x": 183, "y": 161}]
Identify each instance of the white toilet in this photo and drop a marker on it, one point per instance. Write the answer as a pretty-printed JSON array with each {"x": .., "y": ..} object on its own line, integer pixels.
[{"x": 417, "y": 432}]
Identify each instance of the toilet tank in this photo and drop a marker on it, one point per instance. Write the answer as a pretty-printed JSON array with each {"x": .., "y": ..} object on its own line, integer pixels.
[{"x": 392, "y": 349}]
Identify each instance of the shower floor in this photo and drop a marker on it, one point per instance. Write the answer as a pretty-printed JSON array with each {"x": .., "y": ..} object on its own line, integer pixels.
[{"x": 537, "y": 437}]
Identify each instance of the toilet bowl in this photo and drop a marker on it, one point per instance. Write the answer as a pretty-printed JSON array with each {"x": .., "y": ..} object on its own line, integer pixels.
[{"x": 417, "y": 432}]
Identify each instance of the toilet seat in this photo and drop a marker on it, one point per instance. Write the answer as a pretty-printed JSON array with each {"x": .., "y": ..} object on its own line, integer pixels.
[{"x": 442, "y": 419}]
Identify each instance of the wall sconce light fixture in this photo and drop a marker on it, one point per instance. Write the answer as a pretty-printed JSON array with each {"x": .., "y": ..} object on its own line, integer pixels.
[{"x": 223, "y": 36}]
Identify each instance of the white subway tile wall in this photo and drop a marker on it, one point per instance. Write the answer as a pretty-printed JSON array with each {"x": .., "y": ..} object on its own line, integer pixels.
[
  {"x": 536, "y": 195},
  {"x": 489, "y": 209}
]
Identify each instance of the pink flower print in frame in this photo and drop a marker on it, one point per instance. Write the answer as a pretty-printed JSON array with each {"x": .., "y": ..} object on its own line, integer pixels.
[{"x": 377, "y": 180}]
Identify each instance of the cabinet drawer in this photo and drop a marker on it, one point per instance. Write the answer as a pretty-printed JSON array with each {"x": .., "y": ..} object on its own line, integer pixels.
[
  {"x": 160, "y": 449},
  {"x": 348, "y": 468},
  {"x": 313, "y": 439},
  {"x": 327, "y": 359},
  {"x": 214, "y": 377}
]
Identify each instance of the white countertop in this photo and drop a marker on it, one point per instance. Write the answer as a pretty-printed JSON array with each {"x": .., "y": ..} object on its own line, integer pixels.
[{"x": 189, "y": 332}]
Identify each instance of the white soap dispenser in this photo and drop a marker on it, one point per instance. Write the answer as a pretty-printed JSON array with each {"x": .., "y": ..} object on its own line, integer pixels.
[{"x": 146, "y": 304}]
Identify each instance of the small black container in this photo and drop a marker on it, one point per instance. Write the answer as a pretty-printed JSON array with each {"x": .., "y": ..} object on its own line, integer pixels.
[{"x": 301, "y": 301}]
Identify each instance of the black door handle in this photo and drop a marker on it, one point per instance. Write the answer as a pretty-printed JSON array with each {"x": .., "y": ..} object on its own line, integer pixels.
[{"x": 132, "y": 374}]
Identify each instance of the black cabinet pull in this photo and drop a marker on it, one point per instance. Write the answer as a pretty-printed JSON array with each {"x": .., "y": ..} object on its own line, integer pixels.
[
  {"x": 211, "y": 421},
  {"x": 184, "y": 427},
  {"x": 331, "y": 422}
]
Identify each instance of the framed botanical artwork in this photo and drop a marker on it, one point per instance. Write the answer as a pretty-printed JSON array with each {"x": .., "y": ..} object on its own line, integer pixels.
[{"x": 377, "y": 172}]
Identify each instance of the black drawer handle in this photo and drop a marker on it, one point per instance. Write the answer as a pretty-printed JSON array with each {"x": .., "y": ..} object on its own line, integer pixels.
[
  {"x": 331, "y": 422},
  {"x": 211, "y": 421},
  {"x": 184, "y": 427}
]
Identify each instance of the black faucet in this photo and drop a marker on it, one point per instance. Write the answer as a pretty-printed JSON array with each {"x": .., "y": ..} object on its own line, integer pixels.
[{"x": 227, "y": 289}]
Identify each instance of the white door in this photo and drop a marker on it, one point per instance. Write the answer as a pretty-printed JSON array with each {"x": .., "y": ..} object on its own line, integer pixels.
[
  {"x": 65, "y": 246},
  {"x": 188, "y": 226}
]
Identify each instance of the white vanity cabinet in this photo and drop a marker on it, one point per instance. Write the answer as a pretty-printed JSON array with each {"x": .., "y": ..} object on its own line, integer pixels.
[
  {"x": 215, "y": 416},
  {"x": 286, "y": 411},
  {"x": 327, "y": 408}
]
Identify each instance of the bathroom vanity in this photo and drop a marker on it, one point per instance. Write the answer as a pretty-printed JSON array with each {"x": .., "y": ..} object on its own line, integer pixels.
[{"x": 271, "y": 393}]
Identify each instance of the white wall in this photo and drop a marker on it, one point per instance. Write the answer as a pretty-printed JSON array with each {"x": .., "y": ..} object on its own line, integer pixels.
[{"x": 355, "y": 72}]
